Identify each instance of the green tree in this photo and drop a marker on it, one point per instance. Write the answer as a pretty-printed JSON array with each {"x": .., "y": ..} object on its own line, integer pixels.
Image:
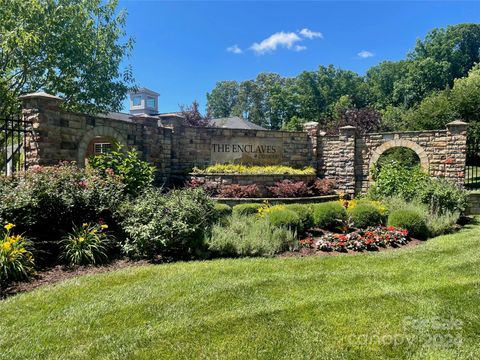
[
  {"x": 72, "y": 48},
  {"x": 459, "y": 45},
  {"x": 223, "y": 99}
]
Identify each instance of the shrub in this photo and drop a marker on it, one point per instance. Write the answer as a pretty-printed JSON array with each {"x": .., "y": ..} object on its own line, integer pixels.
[
  {"x": 288, "y": 189},
  {"x": 44, "y": 202},
  {"x": 328, "y": 215},
  {"x": 210, "y": 187},
  {"x": 246, "y": 209},
  {"x": 246, "y": 169},
  {"x": 249, "y": 236},
  {"x": 412, "y": 220},
  {"x": 305, "y": 212},
  {"x": 175, "y": 223},
  {"x": 16, "y": 260},
  {"x": 135, "y": 173},
  {"x": 238, "y": 191},
  {"x": 286, "y": 218},
  {"x": 323, "y": 187},
  {"x": 439, "y": 224},
  {"x": 222, "y": 211},
  {"x": 442, "y": 196},
  {"x": 87, "y": 244},
  {"x": 365, "y": 215}
]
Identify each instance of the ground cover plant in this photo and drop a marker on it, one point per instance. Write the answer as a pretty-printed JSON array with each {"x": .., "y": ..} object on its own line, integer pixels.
[
  {"x": 253, "y": 169},
  {"x": 416, "y": 303}
]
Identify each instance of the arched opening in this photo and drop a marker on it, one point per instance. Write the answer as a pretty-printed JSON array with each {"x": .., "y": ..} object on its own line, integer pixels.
[
  {"x": 99, "y": 140},
  {"x": 403, "y": 156},
  {"x": 399, "y": 143}
]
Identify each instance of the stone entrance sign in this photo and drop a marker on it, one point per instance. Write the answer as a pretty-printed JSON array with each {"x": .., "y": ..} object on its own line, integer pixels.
[{"x": 246, "y": 150}]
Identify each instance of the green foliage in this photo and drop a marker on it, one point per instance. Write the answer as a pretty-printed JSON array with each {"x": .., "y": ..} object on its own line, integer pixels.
[
  {"x": 286, "y": 218},
  {"x": 222, "y": 211},
  {"x": 246, "y": 209},
  {"x": 365, "y": 215},
  {"x": 175, "y": 223},
  {"x": 86, "y": 244},
  {"x": 328, "y": 215},
  {"x": 442, "y": 196},
  {"x": 135, "y": 173},
  {"x": 44, "y": 202},
  {"x": 74, "y": 48},
  {"x": 16, "y": 260},
  {"x": 305, "y": 212},
  {"x": 250, "y": 236},
  {"x": 410, "y": 219},
  {"x": 404, "y": 157},
  {"x": 253, "y": 169},
  {"x": 394, "y": 179}
]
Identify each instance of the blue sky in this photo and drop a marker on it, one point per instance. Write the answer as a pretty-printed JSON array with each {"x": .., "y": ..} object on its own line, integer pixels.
[{"x": 184, "y": 47}]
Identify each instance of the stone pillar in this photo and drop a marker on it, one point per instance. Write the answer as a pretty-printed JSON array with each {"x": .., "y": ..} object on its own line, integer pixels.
[
  {"x": 456, "y": 151},
  {"x": 345, "y": 168},
  {"x": 42, "y": 144},
  {"x": 312, "y": 130}
]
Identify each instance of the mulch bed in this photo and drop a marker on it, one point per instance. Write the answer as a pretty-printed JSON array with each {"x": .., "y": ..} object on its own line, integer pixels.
[{"x": 60, "y": 273}]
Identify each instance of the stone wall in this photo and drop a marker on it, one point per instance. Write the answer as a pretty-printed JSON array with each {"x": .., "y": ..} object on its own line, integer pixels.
[
  {"x": 473, "y": 206},
  {"x": 347, "y": 158}
]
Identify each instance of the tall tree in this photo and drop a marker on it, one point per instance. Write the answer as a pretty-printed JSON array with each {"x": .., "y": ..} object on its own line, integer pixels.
[
  {"x": 223, "y": 98},
  {"x": 459, "y": 45},
  {"x": 71, "y": 48}
]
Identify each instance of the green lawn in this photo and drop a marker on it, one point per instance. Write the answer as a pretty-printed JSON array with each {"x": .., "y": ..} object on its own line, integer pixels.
[{"x": 392, "y": 304}]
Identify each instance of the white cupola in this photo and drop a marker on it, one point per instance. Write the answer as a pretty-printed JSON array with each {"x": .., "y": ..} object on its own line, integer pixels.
[{"x": 144, "y": 101}]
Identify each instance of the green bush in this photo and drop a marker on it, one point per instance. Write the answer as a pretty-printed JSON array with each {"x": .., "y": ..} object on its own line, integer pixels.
[
  {"x": 175, "y": 223},
  {"x": 246, "y": 209},
  {"x": 305, "y": 212},
  {"x": 222, "y": 211},
  {"x": 286, "y": 218},
  {"x": 16, "y": 260},
  {"x": 365, "y": 215},
  {"x": 44, "y": 202},
  {"x": 394, "y": 180},
  {"x": 135, "y": 173},
  {"x": 412, "y": 220},
  {"x": 327, "y": 215},
  {"x": 86, "y": 244},
  {"x": 250, "y": 236}
]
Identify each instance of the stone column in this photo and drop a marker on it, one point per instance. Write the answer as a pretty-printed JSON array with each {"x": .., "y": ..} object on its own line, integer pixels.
[
  {"x": 345, "y": 168},
  {"x": 312, "y": 129},
  {"x": 456, "y": 151},
  {"x": 42, "y": 144}
]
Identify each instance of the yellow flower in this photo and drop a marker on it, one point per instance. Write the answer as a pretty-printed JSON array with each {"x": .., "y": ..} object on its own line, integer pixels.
[
  {"x": 104, "y": 226},
  {"x": 85, "y": 225},
  {"x": 94, "y": 231},
  {"x": 6, "y": 246},
  {"x": 81, "y": 239},
  {"x": 9, "y": 226}
]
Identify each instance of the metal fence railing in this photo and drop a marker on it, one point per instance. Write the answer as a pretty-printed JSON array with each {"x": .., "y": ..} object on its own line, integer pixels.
[
  {"x": 13, "y": 138},
  {"x": 472, "y": 164}
]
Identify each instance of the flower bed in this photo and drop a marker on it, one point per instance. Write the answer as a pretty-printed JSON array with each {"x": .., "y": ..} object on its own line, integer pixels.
[{"x": 370, "y": 239}]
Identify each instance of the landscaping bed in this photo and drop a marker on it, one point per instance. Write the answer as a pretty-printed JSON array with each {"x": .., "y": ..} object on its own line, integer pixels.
[{"x": 274, "y": 201}]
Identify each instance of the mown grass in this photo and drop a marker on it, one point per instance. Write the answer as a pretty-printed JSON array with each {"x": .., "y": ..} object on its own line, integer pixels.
[{"x": 375, "y": 305}]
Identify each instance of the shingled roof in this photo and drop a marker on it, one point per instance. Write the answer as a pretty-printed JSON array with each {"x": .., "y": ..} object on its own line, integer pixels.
[{"x": 235, "y": 122}]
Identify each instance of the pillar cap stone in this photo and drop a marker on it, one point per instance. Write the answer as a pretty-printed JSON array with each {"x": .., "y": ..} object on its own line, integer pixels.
[
  {"x": 40, "y": 94},
  {"x": 347, "y": 130},
  {"x": 457, "y": 123}
]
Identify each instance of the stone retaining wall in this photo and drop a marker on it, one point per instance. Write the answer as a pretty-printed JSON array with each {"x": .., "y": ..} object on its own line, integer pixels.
[
  {"x": 346, "y": 158},
  {"x": 473, "y": 206}
]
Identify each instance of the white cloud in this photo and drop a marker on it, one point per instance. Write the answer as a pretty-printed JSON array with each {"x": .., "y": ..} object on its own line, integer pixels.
[
  {"x": 234, "y": 49},
  {"x": 365, "y": 54},
  {"x": 310, "y": 34},
  {"x": 299, "y": 48},
  {"x": 279, "y": 39}
]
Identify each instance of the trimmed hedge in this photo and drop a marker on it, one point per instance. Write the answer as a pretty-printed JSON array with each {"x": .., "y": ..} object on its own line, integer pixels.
[
  {"x": 246, "y": 209},
  {"x": 327, "y": 215},
  {"x": 285, "y": 218},
  {"x": 222, "y": 210},
  {"x": 305, "y": 212},
  {"x": 411, "y": 220},
  {"x": 365, "y": 215}
]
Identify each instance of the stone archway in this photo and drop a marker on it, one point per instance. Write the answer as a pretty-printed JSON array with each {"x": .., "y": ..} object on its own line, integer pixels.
[
  {"x": 399, "y": 143},
  {"x": 98, "y": 131}
]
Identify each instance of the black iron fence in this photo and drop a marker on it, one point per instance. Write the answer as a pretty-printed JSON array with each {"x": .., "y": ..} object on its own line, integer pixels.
[
  {"x": 472, "y": 165},
  {"x": 13, "y": 137}
]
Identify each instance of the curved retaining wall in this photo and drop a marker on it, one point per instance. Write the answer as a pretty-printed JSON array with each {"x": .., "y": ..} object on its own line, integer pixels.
[{"x": 274, "y": 201}]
